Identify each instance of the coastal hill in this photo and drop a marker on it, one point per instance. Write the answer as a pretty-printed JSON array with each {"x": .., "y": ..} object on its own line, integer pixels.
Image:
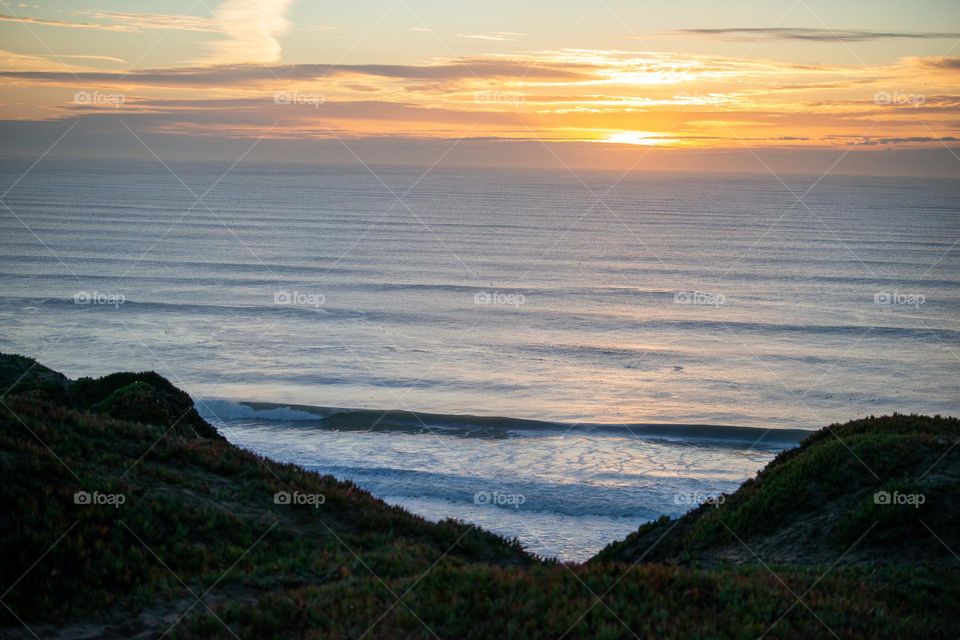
[
  {"x": 878, "y": 490},
  {"x": 124, "y": 514}
]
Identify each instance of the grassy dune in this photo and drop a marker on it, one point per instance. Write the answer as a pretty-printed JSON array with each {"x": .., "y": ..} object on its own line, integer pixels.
[
  {"x": 819, "y": 501},
  {"x": 182, "y": 536}
]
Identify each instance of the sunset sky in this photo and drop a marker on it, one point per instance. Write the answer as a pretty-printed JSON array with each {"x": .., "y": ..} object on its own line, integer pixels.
[{"x": 594, "y": 82}]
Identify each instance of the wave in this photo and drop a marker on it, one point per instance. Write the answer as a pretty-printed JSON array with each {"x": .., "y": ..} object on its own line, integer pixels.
[
  {"x": 646, "y": 497},
  {"x": 349, "y": 419},
  {"x": 305, "y": 268},
  {"x": 264, "y": 307}
]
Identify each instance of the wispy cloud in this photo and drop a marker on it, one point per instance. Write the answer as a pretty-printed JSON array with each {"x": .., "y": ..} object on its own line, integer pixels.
[
  {"x": 14, "y": 61},
  {"x": 813, "y": 35},
  {"x": 493, "y": 36},
  {"x": 238, "y": 74},
  {"x": 153, "y": 21},
  {"x": 121, "y": 22},
  {"x": 868, "y": 141},
  {"x": 253, "y": 29},
  {"x": 66, "y": 24},
  {"x": 84, "y": 57},
  {"x": 945, "y": 63}
]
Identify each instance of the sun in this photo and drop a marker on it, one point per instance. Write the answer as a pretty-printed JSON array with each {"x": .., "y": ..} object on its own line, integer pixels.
[{"x": 643, "y": 138}]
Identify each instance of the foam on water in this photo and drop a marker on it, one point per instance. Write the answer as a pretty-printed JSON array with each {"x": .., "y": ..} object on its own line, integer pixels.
[
  {"x": 218, "y": 410},
  {"x": 563, "y": 492}
]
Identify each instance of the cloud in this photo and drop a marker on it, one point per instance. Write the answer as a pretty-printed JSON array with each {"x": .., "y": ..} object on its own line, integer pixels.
[
  {"x": 907, "y": 140},
  {"x": 569, "y": 94},
  {"x": 63, "y": 23},
  {"x": 813, "y": 35},
  {"x": 255, "y": 117},
  {"x": 252, "y": 28},
  {"x": 154, "y": 21},
  {"x": 122, "y": 22},
  {"x": 13, "y": 61},
  {"x": 48, "y": 61},
  {"x": 236, "y": 74},
  {"x": 81, "y": 57},
  {"x": 495, "y": 36},
  {"x": 940, "y": 62}
]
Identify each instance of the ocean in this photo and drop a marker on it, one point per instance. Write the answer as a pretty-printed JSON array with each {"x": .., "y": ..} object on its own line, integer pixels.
[{"x": 598, "y": 318}]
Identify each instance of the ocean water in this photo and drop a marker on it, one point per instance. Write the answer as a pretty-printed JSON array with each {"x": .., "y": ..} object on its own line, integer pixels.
[
  {"x": 654, "y": 299},
  {"x": 563, "y": 490}
]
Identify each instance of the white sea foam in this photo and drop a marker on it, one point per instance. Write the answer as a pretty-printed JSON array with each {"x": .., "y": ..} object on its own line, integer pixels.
[
  {"x": 562, "y": 494},
  {"x": 216, "y": 410}
]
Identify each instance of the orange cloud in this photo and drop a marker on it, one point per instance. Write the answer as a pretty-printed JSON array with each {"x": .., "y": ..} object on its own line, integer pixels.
[{"x": 641, "y": 98}]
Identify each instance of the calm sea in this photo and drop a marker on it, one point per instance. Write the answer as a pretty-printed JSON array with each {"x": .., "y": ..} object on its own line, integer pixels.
[{"x": 651, "y": 299}]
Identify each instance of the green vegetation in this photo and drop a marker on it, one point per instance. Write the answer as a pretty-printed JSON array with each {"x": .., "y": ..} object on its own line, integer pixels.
[
  {"x": 125, "y": 513},
  {"x": 812, "y": 504}
]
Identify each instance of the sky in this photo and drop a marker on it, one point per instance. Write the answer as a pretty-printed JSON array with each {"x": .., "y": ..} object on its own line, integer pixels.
[{"x": 801, "y": 85}]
